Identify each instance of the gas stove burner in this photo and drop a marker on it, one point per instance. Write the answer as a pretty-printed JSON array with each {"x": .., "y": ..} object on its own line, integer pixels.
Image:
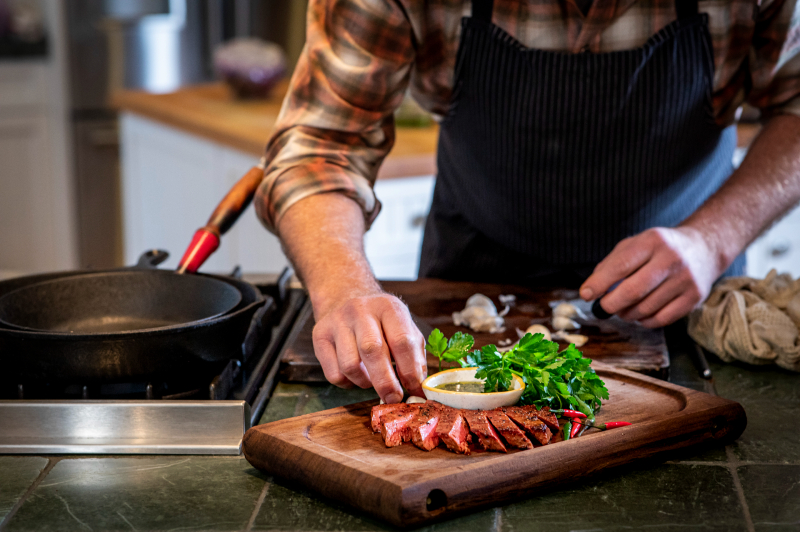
[{"x": 153, "y": 415}]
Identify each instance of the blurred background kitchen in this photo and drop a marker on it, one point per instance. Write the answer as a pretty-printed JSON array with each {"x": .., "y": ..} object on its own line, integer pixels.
[{"x": 117, "y": 136}]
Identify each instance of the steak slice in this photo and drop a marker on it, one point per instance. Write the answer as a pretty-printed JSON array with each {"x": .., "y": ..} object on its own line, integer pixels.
[
  {"x": 394, "y": 425},
  {"x": 508, "y": 430},
  {"x": 530, "y": 423},
  {"x": 379, "y": 410},
  {"x": 480, "y": 427},
  {"x": 453, "y": 431},
  {"x": 546, "y": 416},
  {"x": 423, "y": 426}
]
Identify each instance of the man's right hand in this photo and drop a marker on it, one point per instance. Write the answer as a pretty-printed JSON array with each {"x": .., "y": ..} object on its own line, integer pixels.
[
  {"x": 357, "y": 340},
  {"x": 360, "y": 329}
]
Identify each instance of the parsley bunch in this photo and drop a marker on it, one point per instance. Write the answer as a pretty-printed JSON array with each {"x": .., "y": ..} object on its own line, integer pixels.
[{"x": 559, "y": 380}]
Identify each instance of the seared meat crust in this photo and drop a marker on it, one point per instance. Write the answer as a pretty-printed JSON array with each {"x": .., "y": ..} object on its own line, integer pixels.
[
  {"x": 453, "y": 430},
  {"x": 508, "y": 430},
  {"x": 423, "y": 426},
  {"x": 530, "y": 422},
  {"x": 395, "y": 425},
  {"x": 480, "y": 427}
]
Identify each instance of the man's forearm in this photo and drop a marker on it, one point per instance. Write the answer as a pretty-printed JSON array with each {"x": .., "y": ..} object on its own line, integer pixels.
[
  {"x": 323, "y": 236},
  {"x": 761, "y": 190},
  {"x": 360, "y": 329}
]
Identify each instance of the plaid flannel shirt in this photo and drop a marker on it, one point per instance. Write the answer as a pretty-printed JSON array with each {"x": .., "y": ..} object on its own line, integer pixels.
[{"x": 336, "y": 124}]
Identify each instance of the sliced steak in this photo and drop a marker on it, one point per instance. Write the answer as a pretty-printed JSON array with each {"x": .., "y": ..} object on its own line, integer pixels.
[
  {"x": 453, "y": 431},
  {"x": 530, "y": 423},
  {"x": 508, "y": 430},
  {"x": 379, "y": 410},
  {"x": 546, "y": 416},
  {"x": 480, "y": 427},
  {"x": 423, "y": 426},
  {"x": 394, "y": 425}
]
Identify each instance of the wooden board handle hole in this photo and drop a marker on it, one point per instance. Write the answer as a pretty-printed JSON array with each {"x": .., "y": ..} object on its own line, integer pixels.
[{"x": 437, "y": 500}]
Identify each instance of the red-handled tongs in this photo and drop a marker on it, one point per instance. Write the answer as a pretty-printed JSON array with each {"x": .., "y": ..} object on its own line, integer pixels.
[{"x": 206, "y": 239}]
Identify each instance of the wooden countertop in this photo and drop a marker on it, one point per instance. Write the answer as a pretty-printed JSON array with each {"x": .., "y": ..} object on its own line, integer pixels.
[{"x": 212, "y": 112}]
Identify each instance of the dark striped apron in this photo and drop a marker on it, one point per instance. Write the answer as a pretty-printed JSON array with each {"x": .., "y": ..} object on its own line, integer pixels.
[{"x": 547, "y": 159}]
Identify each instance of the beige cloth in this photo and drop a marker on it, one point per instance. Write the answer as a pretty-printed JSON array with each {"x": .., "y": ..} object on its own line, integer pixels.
[{"x": 752, "y": 320}]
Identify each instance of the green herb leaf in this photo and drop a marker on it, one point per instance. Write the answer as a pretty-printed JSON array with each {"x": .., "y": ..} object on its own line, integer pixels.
[{"x": 437, "y": 344}]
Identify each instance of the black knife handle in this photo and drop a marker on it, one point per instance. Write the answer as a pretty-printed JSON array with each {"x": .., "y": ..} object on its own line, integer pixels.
[{"x": 598, "y": 311}]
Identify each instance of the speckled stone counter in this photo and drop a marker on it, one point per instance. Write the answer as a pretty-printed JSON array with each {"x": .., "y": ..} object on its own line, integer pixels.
[{"x": 753, "y": 484}]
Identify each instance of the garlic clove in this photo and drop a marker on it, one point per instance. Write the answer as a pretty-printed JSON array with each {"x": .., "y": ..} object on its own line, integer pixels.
[
  {"x": 539, "y": 328},
  {"x": 562, "y": 322},
  {"x": 415, "y": 399}
]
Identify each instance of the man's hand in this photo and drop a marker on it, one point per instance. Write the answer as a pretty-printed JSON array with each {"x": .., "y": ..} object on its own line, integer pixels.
[
  {"x": 360, "y": 329},
  {"x": 356, "y": 342},
  {"x": 665, "y": 273}
]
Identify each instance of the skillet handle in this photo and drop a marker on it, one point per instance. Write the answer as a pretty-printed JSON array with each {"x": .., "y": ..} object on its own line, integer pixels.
[
  {"x": 152, "y": 258},
  {"x": 206, "y": 239}
]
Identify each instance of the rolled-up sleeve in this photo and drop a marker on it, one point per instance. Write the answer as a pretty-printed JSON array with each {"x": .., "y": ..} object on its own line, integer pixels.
[
  {"x": 336, "y": 125},
  {"x": 774, "y": 59}
]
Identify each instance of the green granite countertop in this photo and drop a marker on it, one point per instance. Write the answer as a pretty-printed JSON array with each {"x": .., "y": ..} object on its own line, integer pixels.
[{"x": 753, "y": 484}]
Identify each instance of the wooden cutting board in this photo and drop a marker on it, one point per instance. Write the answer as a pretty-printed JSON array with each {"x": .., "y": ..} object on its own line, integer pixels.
[
  {"x": 613, "y": 341},
  {"x": 335, "y": 453}
]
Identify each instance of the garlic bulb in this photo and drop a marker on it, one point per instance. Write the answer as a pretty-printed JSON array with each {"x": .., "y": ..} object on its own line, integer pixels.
[{"x": 480, "y": 315}]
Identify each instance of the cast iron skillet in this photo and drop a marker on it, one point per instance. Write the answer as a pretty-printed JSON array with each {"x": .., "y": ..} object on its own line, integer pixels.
[
  {"x": 178, "y": 351},
  {"x": 109, "y": 302},
  {"x": 46, "y": 344}
]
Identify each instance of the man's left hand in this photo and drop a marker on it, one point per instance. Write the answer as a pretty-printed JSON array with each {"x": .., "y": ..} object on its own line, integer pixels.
[{"x": 664, "y": 274}]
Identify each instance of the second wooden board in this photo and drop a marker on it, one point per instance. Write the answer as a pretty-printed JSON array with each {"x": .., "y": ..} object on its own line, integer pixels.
[{"x": 432, "y": 301}]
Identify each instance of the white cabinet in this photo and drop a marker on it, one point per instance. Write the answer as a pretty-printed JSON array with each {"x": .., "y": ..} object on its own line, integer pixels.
[
  {"x": 393, "y": 243},
  {"x": 777, "y": 248}
]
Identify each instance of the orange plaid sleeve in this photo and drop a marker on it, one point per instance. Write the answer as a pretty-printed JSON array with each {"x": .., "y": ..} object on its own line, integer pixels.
[
  {"x": 336, "y": 125},
  {"x": 774, "y": 60}
]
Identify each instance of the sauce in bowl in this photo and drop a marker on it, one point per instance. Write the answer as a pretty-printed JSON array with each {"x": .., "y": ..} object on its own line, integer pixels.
[{"x": 462, "y": 386}]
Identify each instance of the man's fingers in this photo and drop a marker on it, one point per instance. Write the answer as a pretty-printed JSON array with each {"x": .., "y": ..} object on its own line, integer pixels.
[
  {"x": 654, "y": 302},
  {"x": 671, "y": 312},
  {"x": 625, "y": 259},
  {"x": 374, "y": 354},
  {"x": 349, "y": 358},
  {"x": 636, "y": 288},
  {"x": 407, "y": 347},
  {"x": 325, "y": 350}
]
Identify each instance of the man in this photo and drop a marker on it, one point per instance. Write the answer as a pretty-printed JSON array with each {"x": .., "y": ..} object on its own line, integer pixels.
[{"x": 581, "y": 141}]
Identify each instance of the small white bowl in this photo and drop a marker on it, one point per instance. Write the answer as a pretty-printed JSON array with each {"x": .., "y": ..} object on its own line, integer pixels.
[{"x": 469, "y": 400}]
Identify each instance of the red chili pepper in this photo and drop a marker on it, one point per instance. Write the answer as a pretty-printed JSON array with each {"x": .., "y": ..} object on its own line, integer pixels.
[
  {"x": 567, "y": 428},
  {"x": 576, "y": 426},
  {"x": 612, "y": 425},
  {"x": 608, "y": 425},
  {"x": 568, "y": 413}
]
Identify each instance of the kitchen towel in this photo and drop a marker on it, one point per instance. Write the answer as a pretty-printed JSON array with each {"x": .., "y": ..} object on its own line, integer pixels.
[{"x": 752, "y": 320}]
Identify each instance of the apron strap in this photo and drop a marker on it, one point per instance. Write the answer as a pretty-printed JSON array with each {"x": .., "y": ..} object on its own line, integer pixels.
[
  {"x": 684, "y": 8},
  {"x": 482, "y": 10}
]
